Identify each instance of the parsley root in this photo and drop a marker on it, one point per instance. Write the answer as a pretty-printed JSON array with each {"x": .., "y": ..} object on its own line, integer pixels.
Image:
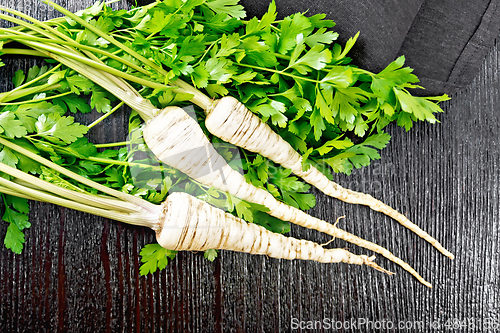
[
  {"x": 172, "y": 130},
  {"x": 190, "y": 224},
  {"x": 182, "y": 222},
  {"x": 231, "y": 121}
]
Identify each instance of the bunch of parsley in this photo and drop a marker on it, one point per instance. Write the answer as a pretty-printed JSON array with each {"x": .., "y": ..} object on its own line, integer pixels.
[
  {"x": 290, "y": 72},
  {"x": 37, "y": 121}
]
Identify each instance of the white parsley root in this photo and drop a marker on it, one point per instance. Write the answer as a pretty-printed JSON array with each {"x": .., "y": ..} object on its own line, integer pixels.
[
  {"x": 182, "y": 222},
  {"x": 232, "y": 122},
  {"x": 190, "y": 224},
  {"x": 172, "y": 130}
]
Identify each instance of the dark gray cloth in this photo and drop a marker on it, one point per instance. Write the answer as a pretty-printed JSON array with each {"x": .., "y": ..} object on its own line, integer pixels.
[
  {"x": 445, "y": 41},
  {"x": 448, "y": 41}
]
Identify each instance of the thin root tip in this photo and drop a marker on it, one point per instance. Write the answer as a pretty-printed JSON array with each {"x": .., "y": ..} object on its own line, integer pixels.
[
  {"x": 370, "y": 262},
  {"x": 447, "y": 253}
]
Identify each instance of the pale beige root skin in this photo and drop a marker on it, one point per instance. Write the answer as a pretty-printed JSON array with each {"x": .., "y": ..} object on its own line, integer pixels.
[
  {"x": 172, "y": 130},
  {"x": 189, "y": 224},
  {"x": 231, "y": 121}
]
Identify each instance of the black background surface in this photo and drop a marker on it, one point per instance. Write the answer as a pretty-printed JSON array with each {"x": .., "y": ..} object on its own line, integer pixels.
[{"x": 79, "y": 273}]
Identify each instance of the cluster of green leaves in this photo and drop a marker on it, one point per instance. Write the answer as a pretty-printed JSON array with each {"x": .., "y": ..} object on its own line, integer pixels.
[
  {"x": 289, "y": 72},
  {"x": 292, "y": 74},
  {"x": 39, "y": 126}
]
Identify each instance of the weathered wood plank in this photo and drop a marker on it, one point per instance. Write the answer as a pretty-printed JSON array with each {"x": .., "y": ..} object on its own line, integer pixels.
[{"x": 81, "y": 273}]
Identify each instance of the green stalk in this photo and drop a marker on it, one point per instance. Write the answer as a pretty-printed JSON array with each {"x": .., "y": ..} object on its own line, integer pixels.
[
  {"x": 148, "y": 207},
  {"x": 39, "y": 99},
  {"x": 36, "y": 79},
  {"x": 78, "y": 45},
  {"x": 28, "y": 52},
  {"x": 11, "y": 96},
  {"x": 6, "y": 190},
  {"x": 107, "y": 37},
  {"x": 112, "y": 144},
  {"x": 199, "y": 98},
  {"x": 56, "y": 37},
  {"x": 80, "y": 197},
  {"x": 115, "y": 85},
  {"x": 54, "y": 50},
  {"x": 137, "y": 218},
  {"x": 106, "y": 115}
]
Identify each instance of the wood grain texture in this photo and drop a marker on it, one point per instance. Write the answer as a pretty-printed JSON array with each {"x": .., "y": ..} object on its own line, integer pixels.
[{"x": 80, "y": 273}]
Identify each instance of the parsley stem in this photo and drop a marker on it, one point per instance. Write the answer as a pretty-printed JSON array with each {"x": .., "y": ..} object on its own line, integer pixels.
[
  {"x": 279, "y": 72},
  {"x": 107, "y": 37},
  {"x": 112, "y": 144},
  {"x": 38, "y": 78},
  {"x": 10, "y": 96},
  {"x": 199, "y": 98},
  {"x": 206, "y": 52},
  {"x": 78, "y": 196},
  {"x": 28, "y": 52},
  {"x": 116, "y": 86},
  {"x": 106, "y": 115},
  {"x": 51, "y": 51},
  {"x": 65, "y": 40},
  {"x": 80, "y": 46},
  {"x": 104, "y": 189},
  {"x": 39, "y": 99},
  {"x": 6, "y": 190},
  {"x": 137, "y": 217}
]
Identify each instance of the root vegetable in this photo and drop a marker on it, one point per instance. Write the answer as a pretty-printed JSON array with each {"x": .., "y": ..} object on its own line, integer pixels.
[
  {"x": 182, "y": 222},
  {"x": 172, "y": 130},
  {"x": 190, "y": 224},
  {"x": 231, "y": 121}
]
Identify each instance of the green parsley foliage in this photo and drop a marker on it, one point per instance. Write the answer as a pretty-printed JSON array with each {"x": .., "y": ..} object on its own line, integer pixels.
[
  {"x": 154, "y": 257},
  {"x": 32, "y": 122},
  {"x": 16, "y": 214}
]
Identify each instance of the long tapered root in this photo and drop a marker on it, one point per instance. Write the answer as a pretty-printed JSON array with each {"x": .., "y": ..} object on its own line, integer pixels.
[
  {"x": 231, "y": 121},
  {"x": 187, "y": 223},
  {"x": 370, "y": 261},
  {"x": 172, "y": 130},
  {"x": 383, "y": 251}
]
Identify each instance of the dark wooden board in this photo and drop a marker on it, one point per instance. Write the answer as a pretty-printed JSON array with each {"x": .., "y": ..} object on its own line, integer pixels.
[{"x": 80, "y": 273}]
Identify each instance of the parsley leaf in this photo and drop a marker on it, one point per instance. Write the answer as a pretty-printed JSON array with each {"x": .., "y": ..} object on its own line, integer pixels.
[
  {"x": 210, "y": 255},
  {"x": 16, "y": 214},
  {"x": 10, "y": 126},
  {"x": 72, "y": 103},
  {"x": 18, "y": 78},
  {"x": 57, "y": 128},
  {"x": 154, "y": 257},
  {"x": 229, "y": 7}
]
